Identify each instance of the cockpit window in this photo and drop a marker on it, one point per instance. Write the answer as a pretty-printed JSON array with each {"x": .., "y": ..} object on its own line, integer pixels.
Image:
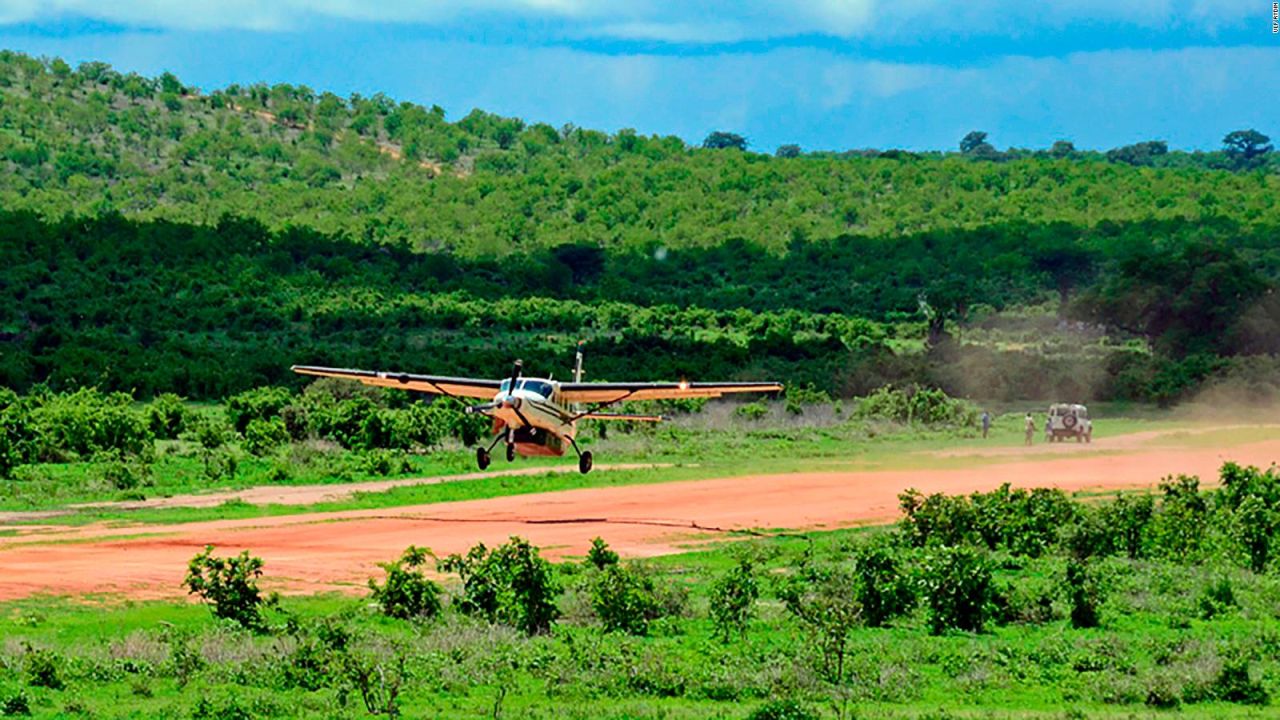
[
  {"x": 540, "y": 387},
  {"x": 505, "y": 386}
]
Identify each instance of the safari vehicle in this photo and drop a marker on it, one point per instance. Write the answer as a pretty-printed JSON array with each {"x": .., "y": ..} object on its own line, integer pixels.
[{"x": 1067, "y": 421}]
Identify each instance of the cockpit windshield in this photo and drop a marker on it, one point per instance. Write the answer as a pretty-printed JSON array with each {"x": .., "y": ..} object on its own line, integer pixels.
[{"x": 539, "y": 387}]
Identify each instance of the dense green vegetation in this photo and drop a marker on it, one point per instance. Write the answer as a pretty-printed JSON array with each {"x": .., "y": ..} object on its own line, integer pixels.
[
  {"x": 972, "y": 606},
  {"x": 171, "y": 240}
]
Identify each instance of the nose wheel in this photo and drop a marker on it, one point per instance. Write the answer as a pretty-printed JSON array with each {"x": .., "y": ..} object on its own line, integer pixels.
[
  {"x": 511, "y": 452},
  {"x": 482, "y": 458}
]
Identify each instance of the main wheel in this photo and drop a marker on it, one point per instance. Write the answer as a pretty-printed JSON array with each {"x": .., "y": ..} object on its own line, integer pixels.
[
  {"x": 584, "y": 462},
  {"x": 511, "y": 452},
  {"x": 482, "y": 458}
]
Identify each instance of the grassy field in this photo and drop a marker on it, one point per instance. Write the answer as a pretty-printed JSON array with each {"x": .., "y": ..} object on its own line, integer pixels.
[
  {"x": 690, "y": 449},
  {"x": 114, "y": 658}
]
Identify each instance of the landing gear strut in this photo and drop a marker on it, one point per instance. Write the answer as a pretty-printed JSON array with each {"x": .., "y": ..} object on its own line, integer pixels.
[
  {"x": 482, "y": 454},
  {"x": 584, "y": 458}
]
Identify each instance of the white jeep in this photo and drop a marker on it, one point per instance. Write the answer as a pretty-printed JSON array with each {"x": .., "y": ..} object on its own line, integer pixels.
[{"x": 1066, "y": 421}]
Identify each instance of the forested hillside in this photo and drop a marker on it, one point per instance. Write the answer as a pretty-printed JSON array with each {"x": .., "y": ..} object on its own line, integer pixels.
[{"x": 161, "y": 238}]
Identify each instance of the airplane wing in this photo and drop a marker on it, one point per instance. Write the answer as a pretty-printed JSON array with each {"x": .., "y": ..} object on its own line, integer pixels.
[
  {"x": 434, "y": 384},
  {"x": 615, "y": 392}
]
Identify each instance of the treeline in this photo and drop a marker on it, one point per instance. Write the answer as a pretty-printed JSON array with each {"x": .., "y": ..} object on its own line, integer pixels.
[
  {"x": 90, "y": 140},
  {"x": 150, "y": 307}
]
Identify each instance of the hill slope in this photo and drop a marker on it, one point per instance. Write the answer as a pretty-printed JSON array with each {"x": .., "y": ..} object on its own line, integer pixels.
[{"x": 210, "y": 240}]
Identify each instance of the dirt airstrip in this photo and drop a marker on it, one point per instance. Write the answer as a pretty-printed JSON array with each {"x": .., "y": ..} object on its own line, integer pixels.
[{"x": 339, "y": 550}]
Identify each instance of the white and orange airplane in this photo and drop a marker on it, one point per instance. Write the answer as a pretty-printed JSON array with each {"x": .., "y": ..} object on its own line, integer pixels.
[{"x": 539, "y": 416}]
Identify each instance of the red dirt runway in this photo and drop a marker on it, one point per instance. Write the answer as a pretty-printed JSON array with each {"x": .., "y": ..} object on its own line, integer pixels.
[{"x": 324, "y": 551}]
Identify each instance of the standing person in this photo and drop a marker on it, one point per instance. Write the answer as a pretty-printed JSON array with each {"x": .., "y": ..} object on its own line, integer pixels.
[
  {"x": 1031, "y": 428},
  {"x": 986, "y": 423}
]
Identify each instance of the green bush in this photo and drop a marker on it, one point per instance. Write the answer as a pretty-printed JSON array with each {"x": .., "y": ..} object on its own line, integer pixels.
[
  {"x": 41, "y": 668},
  {"x": 824, "y": 601},
  {"x": 782, "y": 710},
  {"x": 956, "y": 583},
  {"x": 627, "y": 599},
  {"x": 406, "y": 592},
  {"x": 1084, "y": 594},
  {"x": 166, "y": 416},
  {"x": 15, "y": 705},
  {"x": 600, "y": 556},
  {"x": 1233, "y": 684},
  {"x": 511, "y": 584},
  {"x": 937, "y": 519},
  {"x": 87, "y": 422},
  {"x": 733, "y": 599},
  {"x": 1178, "y": 527},
  {"x": 917, "y": 405},
  {"x": 229, "y": 586},
  {"x": 261, "y": 437},
  {"x": 1216, "y": 599},
  {"x": 882, "y": 586},
  {"x": 753, "y": 411},
  {"x": 264, "y": 403}
]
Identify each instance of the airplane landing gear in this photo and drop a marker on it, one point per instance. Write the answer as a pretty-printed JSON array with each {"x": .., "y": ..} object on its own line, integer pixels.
[
  {"x": 584, "y": 462},
  {"x": 482, "y": 458},
  {"x": 511, "y": 452}
]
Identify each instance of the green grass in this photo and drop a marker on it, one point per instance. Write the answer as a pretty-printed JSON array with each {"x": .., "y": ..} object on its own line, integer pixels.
[
  {"x": 693, "y": 453},
  {"x": 117, "y": 656}
]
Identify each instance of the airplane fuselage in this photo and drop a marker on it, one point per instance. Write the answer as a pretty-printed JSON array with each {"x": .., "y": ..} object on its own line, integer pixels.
[{"x": 536, "y": 423}]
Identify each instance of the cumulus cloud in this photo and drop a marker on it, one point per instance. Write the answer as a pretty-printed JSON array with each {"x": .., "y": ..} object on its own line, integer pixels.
[{"x": 687, "y": 22}]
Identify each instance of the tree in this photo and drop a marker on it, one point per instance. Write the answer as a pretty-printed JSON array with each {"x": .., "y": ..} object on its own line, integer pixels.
[
  {"x": 1067, "y": 263},
  {"x": 512, "y": 585},
  {"x": 1062, "y": 149},
  {"x": 789, "y": 151},
  {"x": 1247, "y": 149},
  {"x": 973, "y": 142},
  {"x": 229, "y": 586},
  {"x": 733, "y": 598},
  {"x": 407, "y": 593},
  {"x": 1143, "y": 153},
  {"x": 720, "y": 140}
]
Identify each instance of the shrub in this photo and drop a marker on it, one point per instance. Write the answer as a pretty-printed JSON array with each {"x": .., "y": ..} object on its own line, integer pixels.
[
  {"x": 600, "y": 556},
  {"x": 262, "y": 403},
  {"x": 752, "y": 411},
  {"x": 937, "y": 519},
  {"x": 823, "y": 600},
  {"x": 782, "y": 710},
  {"x": 1180, "y": 524},
  {"x": 733, "y": 599},
  {"x": 881, "y": 586},
  {"x": 87, "y": 422},
  {"x": 1256, "y": 524},
  {"x": 229, "y": 586},
  {"x": 1217, "y": 598},
  {"x": 1233, "y": 684},
  {"x": 166, "y": 416},
  {"x": 406, "y": 592},
  {"x": 15, "y": 705},
  {"x": 263, "y": 436},
  {"x": 41, "y": 668},
  {"x": 512, "y": 585},
  {"x": 626, "y": 599},
  {"x": 956, "y": 582},
  {"x": 1021, "y": 521},
  {"x": 914, "y": 404},
  {"x": 1084, "y": 593}
]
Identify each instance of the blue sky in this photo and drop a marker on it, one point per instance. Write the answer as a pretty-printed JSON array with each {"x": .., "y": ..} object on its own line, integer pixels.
[{"x": 826, "y": 74}]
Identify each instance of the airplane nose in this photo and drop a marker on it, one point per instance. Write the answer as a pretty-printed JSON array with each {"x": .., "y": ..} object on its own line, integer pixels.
[{"x": 511, "y": 402}]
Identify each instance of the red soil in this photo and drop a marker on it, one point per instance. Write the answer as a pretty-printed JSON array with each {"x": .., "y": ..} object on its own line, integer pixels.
[{"x": 322, "y": 551}]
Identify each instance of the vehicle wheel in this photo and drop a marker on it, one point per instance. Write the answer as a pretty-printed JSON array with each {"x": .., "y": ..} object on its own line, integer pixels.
[
  {"x": 1088, "y": 437},
  {"x": 584, "y": 462},
  {"x": 511, "y": 452},
  {"x": 482, "y": 458}
]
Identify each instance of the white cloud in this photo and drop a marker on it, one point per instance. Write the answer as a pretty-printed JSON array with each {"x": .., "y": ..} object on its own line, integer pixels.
[{"x": 690, "y": 21}]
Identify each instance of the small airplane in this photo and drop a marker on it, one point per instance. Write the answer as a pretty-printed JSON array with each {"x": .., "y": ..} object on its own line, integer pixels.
[{"x": 538, "y": 416}]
